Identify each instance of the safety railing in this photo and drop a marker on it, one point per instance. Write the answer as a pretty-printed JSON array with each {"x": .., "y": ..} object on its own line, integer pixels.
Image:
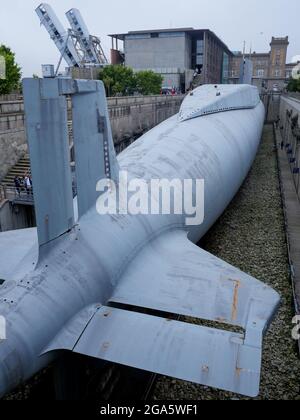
[
  {"x": 17, "y": 195},
  {"x": 291, "y": 143},
  {"x": 11, "y": 97},
  {"x": 271, "y": 102},
  {"x": 2, "y": 193},
  {"x": 295, "y": 95}
]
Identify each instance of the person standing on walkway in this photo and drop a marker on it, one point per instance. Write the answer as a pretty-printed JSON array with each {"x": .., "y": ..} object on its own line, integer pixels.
[
  {"x": 27, "y": 184},
  {"x": 17, "y": 184}
]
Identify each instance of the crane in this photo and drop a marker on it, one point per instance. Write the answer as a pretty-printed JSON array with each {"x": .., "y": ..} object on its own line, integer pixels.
[
  {"x": 90, "y": 45},
  {"x": 59, "y": 35},
  {"x": 76, "y": 45}
]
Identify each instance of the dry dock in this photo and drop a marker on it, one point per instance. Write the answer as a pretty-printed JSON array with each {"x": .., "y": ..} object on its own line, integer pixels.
[{"x": 251, "y": 235}]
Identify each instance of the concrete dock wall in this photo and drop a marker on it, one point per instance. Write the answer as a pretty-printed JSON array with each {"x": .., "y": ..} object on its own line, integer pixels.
[
  {"x": 14, "y": 217},
  {"x": 13, "y": 147},
  {"x": 289, "y": 103},
  {"x": 290, "y": 135},
  {"x": 130, "y": 117}
]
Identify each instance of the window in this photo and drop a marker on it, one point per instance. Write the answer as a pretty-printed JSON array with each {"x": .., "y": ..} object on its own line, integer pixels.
[
  {"x": 260, "y": 73},
  {"x": 154, "y": 35},
  {"x": 199, "y": 59},
  {"x": 200, "y": 46},
  {"x": 277, "y": 73}
]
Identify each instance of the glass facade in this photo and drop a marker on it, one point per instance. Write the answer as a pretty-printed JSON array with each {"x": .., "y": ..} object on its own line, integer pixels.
[
  {"x": 199, "y": 59},
  {"x": 155, "y": 35},
  {"x": 225, "y": 68},
  {"x": 200, "y": 46},
  {"x": 198, "y": 54}
]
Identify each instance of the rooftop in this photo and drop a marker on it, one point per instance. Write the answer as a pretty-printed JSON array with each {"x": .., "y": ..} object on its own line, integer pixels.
[
  {"x": 254, "y": 54},
  {"x": 121, "y": 37},
  {"x": 281, "y": 40},
  {"x": 188, "y": 30}
]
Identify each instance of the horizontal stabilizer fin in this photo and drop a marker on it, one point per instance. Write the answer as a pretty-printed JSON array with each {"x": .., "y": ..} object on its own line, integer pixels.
[
  {"x": 184, "y": 351},
  {"x": 173, "y": 275}
]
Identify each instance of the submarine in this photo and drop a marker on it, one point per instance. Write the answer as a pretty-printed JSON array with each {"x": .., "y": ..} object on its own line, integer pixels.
[{"x": 103, "y": 285}]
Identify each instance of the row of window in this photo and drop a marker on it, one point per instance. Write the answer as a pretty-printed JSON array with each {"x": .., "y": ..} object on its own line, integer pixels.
[{"x": 259, "y": 73}]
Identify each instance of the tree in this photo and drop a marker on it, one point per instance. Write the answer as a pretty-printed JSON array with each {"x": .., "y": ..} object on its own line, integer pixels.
[
  {"x": 118, "y": 80},
  {"x": 12, "y": 72},
  {"x": 294, "y": 85},
  {"x": 121, "y": 80},
  {"x": 148, "y": 82}
]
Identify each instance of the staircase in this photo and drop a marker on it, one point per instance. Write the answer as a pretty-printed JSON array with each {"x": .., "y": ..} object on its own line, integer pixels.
[
  {"x": 7, "y": 186},
  {"x": 20, "y": 169}
]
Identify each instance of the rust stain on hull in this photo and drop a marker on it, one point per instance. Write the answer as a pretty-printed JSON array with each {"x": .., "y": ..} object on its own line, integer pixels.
[{"x": 235, "y": 300}]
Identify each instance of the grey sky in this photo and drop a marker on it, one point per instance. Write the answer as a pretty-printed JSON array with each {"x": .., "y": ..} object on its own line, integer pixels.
[{"x": 232, "y": 20}]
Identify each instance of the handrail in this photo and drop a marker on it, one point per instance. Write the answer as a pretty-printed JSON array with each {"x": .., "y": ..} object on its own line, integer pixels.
[
  {"x": 18, "y": 195},
  {"x": 291, "y": 143},
  {"x": 2, "y": 193}
]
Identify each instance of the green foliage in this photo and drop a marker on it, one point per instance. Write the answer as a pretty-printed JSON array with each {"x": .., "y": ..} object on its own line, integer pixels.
[
  {"x": 121, "y": 80},
  {"x": 13, "y": 72},
  {"x": 148, "y": 82},
  {"x": 294, "y": 85},
  {"x": 118, "y": 80}
]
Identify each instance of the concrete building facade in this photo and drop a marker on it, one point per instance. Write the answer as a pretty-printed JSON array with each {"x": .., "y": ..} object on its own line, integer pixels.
[
  {"x": 175, "y": 54},
  {"x": 269, "y": 69}
]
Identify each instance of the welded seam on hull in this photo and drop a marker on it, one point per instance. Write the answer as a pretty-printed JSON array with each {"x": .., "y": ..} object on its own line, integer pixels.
[{"x": 215, "y": 111}]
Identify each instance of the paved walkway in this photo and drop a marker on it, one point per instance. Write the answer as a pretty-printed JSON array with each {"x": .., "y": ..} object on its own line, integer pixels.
[{"x": 292, "y": 217}]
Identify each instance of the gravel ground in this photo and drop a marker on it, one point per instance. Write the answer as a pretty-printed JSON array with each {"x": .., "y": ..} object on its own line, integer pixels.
[{"x": 251, "y": 236}]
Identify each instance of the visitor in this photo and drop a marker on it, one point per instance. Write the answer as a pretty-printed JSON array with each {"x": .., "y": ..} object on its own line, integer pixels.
[
  {"x": 27, "y": 183},
  {"x": 17, "y": 183}
]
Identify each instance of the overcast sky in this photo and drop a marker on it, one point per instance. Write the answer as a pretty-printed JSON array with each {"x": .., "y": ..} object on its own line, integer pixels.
[{"x": 234, "y": 21}]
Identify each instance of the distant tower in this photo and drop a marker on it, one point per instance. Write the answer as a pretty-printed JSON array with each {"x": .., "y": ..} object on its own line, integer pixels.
[{"x": 278, "y": 57}]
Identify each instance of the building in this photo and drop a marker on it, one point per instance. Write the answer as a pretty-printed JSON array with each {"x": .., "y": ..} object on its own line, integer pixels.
[
  {"x": 269, "y": 69},
  {"x": 175, "y": 54}
]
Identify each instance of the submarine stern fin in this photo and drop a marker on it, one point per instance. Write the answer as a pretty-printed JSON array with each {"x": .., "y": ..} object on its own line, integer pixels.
[{"x": 136, "y": 328}]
